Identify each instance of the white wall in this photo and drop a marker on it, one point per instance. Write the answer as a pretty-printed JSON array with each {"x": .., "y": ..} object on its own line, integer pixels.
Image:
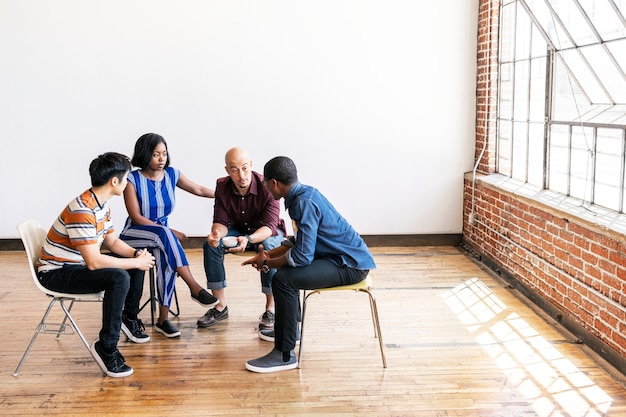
[{"x": 373, "y": 99}]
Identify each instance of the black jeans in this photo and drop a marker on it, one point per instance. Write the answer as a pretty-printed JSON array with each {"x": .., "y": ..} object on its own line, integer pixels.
[
  {"x": 122, "y": 290},
  {"x": 288, "y": 282}
]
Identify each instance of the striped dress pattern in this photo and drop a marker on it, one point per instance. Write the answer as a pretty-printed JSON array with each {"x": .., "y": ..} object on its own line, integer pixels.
[{"x": 157, "y": 200}]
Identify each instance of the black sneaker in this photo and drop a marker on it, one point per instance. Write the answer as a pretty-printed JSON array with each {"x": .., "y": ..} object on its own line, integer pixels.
[
  {"x": 266, "y": 321},
  {"x": 134, "y": 330},
  {"x": 113, "y": 363},
  {"x": 269, "y": 336},
  {"x": 167, "y": 329},
  {"x": 205, "y": 298},
  {"x": 212, "y": 316}
]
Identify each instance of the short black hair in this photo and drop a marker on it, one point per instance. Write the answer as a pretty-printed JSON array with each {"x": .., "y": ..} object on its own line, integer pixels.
[
  {"x": 281, "y": 169},
  {"x": 143, "y": 150},
  {"x": 107, "y": 166}
]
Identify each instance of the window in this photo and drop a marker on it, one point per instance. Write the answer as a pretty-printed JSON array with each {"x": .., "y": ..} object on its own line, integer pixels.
[{"x": 562, "y": 97}]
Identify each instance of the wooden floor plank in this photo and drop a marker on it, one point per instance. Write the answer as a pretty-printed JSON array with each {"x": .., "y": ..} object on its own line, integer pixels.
[{"x": 458, "y": 343}]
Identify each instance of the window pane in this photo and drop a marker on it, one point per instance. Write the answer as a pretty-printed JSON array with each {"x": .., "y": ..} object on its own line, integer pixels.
[
  {"x": 574, "y": 22},
  {"x": 522, "y": 36},
  {"x": 507, "y": 33},
  {"x": 607, "y": 72},
  {"x": 538, "y": 90},
  {"x": 522, "y": 80},
  {"x": 506, "y": 92},
  {"x": 539, "y": 44},
  {"x": 604, "y": 19},
  {"x": 552, "y": 28},
  {"x": 610, "y": 115},
  {"x": 535, "y": 154},
  {"x": 579, "y": 46},
  {"x": 558, "y": 174},
  {"x": 621, "y": 5},
  {"x": 520, "y": 150},
  {"x": 583, "y": 75},
  {"x": 581, "y": 163},
  {"x": 504, "y": 147},
  {"x": 609, "y": 150},
  {"x": 569, "y": 101}
]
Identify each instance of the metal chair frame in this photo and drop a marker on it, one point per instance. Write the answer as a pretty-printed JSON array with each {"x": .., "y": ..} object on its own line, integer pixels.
[
  {"x": 154, "y": 301},
  {"x": 33, "y": 236},
  {"x": 363, "y": 286}
]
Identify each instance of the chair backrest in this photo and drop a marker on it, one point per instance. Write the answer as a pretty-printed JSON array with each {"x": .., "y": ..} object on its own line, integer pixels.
[{"x": 33, "y": 237}]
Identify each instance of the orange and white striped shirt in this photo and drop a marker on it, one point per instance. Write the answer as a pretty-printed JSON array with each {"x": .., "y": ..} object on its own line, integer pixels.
[{"x": 83, "y": 222}]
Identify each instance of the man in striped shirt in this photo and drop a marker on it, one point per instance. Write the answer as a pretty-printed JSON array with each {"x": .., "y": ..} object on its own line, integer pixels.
[{"x": 71, "y": 260}]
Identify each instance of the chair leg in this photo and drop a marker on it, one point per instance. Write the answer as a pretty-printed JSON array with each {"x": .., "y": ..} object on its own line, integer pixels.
[
  {"x": 153, "y": 299},
  {"x": 80, "y": 334},
  {"x": 63, "y": 324},
  {"x": 376, "y": 322},
  {"x": 61, "y": 330},
  {"x": 41, "y": 324},
  {"x": 304, "y": 298}
]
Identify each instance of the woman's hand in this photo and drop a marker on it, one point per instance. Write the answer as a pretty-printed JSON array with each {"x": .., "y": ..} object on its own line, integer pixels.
[{"x": 180, "y": 235}]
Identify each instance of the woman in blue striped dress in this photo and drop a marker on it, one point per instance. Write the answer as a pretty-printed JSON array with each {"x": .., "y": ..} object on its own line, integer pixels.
[{"x": 150, "y": 199}]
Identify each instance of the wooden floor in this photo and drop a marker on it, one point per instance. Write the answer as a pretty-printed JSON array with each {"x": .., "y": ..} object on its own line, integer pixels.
[{"x": 458, "y": 343}]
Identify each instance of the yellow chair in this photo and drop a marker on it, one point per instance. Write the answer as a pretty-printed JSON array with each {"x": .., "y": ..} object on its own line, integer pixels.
[
  {"x": 33, "y": 237},
  {"x": 363, "y": 286}
]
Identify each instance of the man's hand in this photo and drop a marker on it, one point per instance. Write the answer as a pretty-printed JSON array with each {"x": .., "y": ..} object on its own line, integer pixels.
[
  {"x": 257, "y": 261},
  {"x": 145, "y": 260},
  {"x": 213, "y": 239}
]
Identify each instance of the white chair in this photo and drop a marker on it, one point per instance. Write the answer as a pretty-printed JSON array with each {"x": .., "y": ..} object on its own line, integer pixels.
[
  {"x": 33, "y": 237},
  {"x": 363, "y": 286}
]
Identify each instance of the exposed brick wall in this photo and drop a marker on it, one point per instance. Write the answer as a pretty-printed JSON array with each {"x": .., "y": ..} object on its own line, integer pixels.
[
  {"x": 486, "y": 84},
  {"x": 578, "y": 267},
  {"x": 575, "y": 266}
]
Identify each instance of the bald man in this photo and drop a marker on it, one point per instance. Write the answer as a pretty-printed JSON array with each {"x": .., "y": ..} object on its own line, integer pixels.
[{"x": 245, "y": 209}]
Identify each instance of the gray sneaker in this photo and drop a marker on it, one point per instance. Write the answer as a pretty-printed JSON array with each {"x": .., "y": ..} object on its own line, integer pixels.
[
  {"x": 266, "y": 321},
  {"x": 212, "y": 316},
  {"x": 272, "y": 362}
]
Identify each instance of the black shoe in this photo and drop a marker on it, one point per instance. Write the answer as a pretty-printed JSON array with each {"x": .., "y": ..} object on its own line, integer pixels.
[
  {"x": 113, "y": 362},
  {"x": 134, "y": 330},
  {"x": 167, "y": 329},
  {"x": 269, "y": 336},
  {"x": 205, "y": 298},
  {"x": 212, "y": 316},
  {"x": 266, "y": 321}
]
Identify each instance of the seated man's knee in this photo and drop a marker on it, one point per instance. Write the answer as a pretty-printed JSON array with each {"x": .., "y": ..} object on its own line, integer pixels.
[{"x": 121, "y": 279}]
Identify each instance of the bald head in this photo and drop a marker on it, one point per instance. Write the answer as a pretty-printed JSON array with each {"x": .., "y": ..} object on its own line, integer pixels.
[
  {"x": 239, "y": 168},
  {"x": 235, "y": 155}
]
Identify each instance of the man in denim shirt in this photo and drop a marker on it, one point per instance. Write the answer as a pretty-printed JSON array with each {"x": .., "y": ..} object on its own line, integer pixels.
[{"x": 325, "y": 251}]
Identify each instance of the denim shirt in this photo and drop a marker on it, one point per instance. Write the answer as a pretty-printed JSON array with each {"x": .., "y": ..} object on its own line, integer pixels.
[{"x": 321, "y": 232}]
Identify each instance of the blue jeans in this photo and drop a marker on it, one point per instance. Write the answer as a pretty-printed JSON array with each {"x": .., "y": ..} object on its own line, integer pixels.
[
  {"x": 288, "y": 282},
  {"x": 214, "y": 262},
  {"x": 122, "y": 290}
]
